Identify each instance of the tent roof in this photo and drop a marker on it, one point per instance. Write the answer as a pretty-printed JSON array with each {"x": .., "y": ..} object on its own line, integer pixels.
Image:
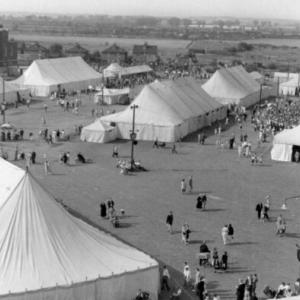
[
  {"x": 98, "y": 125},
  {"x": 288, "y": 136},
  {"x": 135, "y": 70},
  {"x": 231, "y": 83},
  {"x": 46, "y": 72},
  {"x": 114, "y": 92},
  {"x": 256, "y": 75},
  {"x": 43, "y": 246},
  {"x": 167, "y": 103},
  {"x": 294, "y": 82}
]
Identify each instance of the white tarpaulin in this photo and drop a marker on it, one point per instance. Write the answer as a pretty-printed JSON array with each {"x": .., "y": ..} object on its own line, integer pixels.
[
  {"x": 44, "y": 76},
  {"x": 113, "y": 96},
  {"x": 46, "y": 253},
  {"x": 233, "y": 85},
  {"x": 98, "y": 132},
  {"x": 283, "y": 143},
  {"x": 289, "y": 87},
  {"x": 167, "y": 111},
  {"x": 11, "y": 92},
  {"x": 115, "y": 70}
]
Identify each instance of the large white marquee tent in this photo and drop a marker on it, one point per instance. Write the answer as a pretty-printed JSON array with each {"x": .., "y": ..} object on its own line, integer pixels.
[
  {"x": 285, "y": 144},
  {"x": 98, "y": 132},
  {"x": 44, "y": 76},
  {"x": 46, "y": 253},
  {"x": 168, "y": 111},
  {"x": 233, "y": 85},
  {"x": 11, "y": 91}
]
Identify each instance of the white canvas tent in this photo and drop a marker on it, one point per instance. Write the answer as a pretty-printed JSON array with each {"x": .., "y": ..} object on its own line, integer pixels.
[
  {"x": 257, "y": 76},
  {"x": 46, "y": 253},
  {"x": 113, "y": 96},
  {"x": 44, "y": 76},
  {"x": 98, "y": 132},
  {"x": 141, "y": 69},
  {"x": 285, "y": 143},
  {"x": 233, "y": 85},
  {"x": 168, "y": 111},
  {"x": 113, "y": 70},
  {"x": 289, "y": 87},
  {"x": 11, "y": 92},
  {"x": 284, "y": 76}
]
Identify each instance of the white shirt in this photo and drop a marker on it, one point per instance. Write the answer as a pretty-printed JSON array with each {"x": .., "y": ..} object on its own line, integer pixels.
[{"x": 166, "y": 273}]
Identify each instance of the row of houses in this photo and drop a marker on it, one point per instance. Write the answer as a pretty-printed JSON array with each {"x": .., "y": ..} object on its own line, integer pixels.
[{"x": 141, "y": 54}]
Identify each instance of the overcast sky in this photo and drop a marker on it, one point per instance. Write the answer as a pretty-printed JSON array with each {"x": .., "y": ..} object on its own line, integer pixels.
[{"x": 283, "y": 9}]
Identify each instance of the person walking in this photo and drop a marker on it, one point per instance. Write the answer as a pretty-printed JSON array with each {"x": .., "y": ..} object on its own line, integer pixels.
[
  {"x": 197, "y": 278},
  {"x": 224, "y": 234},
  {"x": 169, "y": 221},
  {"x": 186, "y": 274},
  {"x": 230, "y": 231},
  {"x": 190, "y": 182},
  {"x": 259, "y": 208},
  {"x": 165, "y": 279},
  {"x": 47, "y": 169}
]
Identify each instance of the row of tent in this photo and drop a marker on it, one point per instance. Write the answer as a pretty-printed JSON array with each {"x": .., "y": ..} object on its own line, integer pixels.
[
  {"x": 168, "y": 111},
  {"x": 45, "y": 76},
  {"x": 171, "y": 109},
  {"x": 47, "y": 253}
]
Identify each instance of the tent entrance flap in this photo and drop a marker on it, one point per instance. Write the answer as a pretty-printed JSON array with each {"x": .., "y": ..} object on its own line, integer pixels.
[{"x": 295, "y": 153}]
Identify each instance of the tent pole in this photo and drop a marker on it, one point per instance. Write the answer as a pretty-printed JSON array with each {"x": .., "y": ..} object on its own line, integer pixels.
[{"x": 132, "y": 136}]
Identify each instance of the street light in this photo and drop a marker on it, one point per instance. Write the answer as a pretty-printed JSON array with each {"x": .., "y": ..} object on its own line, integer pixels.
[
  {"x": 3, "y": 105},
  {"x": 133, "y": 136}
]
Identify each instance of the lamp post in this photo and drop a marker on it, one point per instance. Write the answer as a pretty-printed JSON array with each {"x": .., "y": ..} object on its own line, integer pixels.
[
  {"x": 260, "y": 93},
  {"x": 133, "y": 136},
  {"x": 3, "y": 105}
]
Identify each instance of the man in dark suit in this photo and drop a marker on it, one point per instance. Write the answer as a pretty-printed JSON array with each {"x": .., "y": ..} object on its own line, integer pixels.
[{"x": 240, "y": 290}]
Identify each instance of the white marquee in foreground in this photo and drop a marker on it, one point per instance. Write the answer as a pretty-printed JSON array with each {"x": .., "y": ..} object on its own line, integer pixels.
[{"x": 46, "y": 253}]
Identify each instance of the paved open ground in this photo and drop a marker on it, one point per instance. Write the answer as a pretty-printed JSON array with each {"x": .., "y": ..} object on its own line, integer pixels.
[{"x": 233, "y": 186}]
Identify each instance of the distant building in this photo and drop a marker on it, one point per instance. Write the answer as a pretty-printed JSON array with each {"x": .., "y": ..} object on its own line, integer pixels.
[
  {"x": 114, "y": 54},
  {"x": 8, "y": 49},
  {"x": 77, "y": 50},
  {"x": 145, "y": 54},
  {"x": 27, "y": 53}
]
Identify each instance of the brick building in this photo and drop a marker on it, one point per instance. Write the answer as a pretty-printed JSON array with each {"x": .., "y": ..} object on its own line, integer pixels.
[
  {"x": 145, "y": 54},
  {"x": 77, "y": 50},
  {"x": 27, "y": 53},
  {"x": 8, "y": 49},
  {"x": 114, "y": 54}
]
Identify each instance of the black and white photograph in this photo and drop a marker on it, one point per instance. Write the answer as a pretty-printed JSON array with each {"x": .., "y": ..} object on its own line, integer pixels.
[{"x": 149, "y": 150}]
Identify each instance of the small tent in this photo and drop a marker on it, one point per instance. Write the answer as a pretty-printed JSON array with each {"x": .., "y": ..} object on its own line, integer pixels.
[
  {"x": 44, "y": 76},
  {"x": 98, "y": 132},
  {"x": 285, "y": 144},
  {"x": 257, "y": 76},
  {"x": 290, "y": 87},
  {"x": 113, "y": 70},
  {"x": 233, "y": 85},
  {"x": 113, "y": 96},
  {"x": 168, "y": 111},
  {"x": 46, "y": 253}
]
